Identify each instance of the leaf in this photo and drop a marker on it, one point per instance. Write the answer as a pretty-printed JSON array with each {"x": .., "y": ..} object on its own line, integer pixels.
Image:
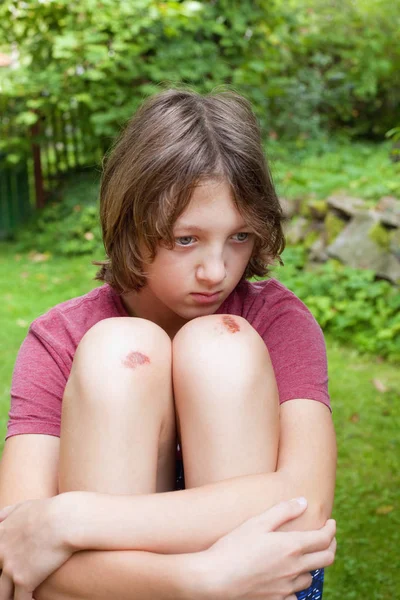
[
  {"x": 26, "y": 118},
  {"x": 385, "y": 510},
  {"x": 37, "y": 257},
  {"x": 355, "y": 417},
  {"x": 379, "y": 385}
]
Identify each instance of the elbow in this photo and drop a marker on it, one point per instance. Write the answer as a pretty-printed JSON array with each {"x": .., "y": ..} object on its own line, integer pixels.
[{"x": 316, "y": 515}]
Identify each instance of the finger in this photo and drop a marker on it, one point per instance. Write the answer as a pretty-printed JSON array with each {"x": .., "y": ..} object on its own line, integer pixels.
[
  {"x": 302, "y": 582},
  {"x": 21, "y": 594},
  {"x": 317, "y": 540},
  {"x": 283, "y": 512},
  {"x": 319, "y": 560},
  {"x": 6, "y": 587},
  {"x": 7, "y": 510}
]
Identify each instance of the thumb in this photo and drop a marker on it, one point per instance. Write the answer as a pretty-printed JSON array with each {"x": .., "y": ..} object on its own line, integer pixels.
[
  {"x": 6, "y": 511},
  {"x": 285, "y": 511}
]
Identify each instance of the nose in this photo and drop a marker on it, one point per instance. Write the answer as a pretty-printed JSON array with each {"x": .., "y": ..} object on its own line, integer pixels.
[{"x": 212, "y": 270}]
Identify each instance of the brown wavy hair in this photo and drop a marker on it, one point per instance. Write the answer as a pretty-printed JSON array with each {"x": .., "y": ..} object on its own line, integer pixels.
[{"x": 177, "y": 139}]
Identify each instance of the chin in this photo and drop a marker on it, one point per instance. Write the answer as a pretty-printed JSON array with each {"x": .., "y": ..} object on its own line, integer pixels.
[{"x": 196, "y": 311}]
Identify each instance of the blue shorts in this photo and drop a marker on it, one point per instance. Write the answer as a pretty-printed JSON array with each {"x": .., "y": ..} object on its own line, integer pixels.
[{"x": 314, "y": 592}]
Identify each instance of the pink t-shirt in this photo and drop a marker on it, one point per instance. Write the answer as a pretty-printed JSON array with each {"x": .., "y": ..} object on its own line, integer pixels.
[{"x": 290, "y": 332}]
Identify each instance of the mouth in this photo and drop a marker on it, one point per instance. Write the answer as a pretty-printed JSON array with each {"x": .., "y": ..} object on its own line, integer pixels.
[{"x": 206, "y": 298}]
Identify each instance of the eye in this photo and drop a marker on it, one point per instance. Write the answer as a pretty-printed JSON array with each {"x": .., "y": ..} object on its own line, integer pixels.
[
  {"x": 182, "y": 241},
  {"x": 240, "y": 236}
]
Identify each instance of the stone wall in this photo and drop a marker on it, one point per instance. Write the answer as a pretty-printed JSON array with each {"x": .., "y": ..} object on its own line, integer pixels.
[{"x": 349, "y": 230}]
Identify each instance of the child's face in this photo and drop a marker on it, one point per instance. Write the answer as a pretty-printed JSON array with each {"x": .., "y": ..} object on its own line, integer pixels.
[{"x": 213, "y": 246}]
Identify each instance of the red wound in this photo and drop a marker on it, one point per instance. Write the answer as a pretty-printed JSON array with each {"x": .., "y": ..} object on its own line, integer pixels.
[
  {"x": 230, "y": 324},
  {"x": 135, "y": 359}
]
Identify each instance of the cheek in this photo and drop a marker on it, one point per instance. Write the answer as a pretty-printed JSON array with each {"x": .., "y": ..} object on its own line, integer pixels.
[
  {"x": 171, "y": 271},
  {"x": 240, "y": 258}
]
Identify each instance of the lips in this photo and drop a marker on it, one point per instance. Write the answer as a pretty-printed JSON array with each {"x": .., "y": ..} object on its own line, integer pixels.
[{"x": 206, "y": 298}]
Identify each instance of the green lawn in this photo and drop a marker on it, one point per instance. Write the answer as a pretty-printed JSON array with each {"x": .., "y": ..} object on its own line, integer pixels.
[{"x": 367, "y": 422}]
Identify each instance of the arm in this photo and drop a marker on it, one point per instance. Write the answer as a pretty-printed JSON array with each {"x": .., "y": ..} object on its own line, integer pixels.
[
  {"x": 254, "y": 560},
  {"x": 92, "y": 575},
  {"x": 28, "y": 470},
  {"x": 139, "y": 573},
  {"x": 192, "y": 520},
  {"x": 21, "y": 477}
]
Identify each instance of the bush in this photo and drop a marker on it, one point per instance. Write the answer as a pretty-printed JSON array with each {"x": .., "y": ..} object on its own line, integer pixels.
[
  {"x": 69, "y": 227},
  {"x": 306, "y": 65},
  {"x": 347, "y": 302}
]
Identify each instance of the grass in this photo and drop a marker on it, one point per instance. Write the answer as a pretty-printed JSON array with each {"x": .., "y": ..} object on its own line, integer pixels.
[{"x": 367, "y": 421}]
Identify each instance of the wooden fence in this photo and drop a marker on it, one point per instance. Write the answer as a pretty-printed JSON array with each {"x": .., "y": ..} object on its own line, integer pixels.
[{"x": 59, "y": 143}]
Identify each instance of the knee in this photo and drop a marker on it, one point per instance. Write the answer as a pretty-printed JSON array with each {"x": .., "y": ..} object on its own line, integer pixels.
[
  {"x": 220, "y": 339},
  {"x": 121, "y": 347}
]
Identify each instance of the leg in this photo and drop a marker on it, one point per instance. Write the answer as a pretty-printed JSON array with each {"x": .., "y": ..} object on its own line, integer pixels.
[
  {"x": 226, "y": 400},
  {"x": 227, "y": 405},
  {"x": 118, "y": 419}
]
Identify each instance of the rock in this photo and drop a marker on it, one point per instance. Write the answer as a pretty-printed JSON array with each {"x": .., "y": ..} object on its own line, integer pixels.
[
  {"x": 318, "y": 252},
  {"x": 296, "y": 230},
  {"x": 333, "y": 226},
  {"x": 356, "y": 247},
  {"x": 347, "y": 205},
  {"x": 389, "y": 210},
  {"x": 289, "y": 207},
  {"x": 394, "y": 241},
  {"x": 318, "y": 209},
  {"x": 311, "y": 237}
]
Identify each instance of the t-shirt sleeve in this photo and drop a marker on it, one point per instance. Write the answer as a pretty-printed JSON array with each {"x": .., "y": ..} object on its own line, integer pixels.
[
  {"x": 37, "y": 388},
  {"x": 298, "y": 353}
]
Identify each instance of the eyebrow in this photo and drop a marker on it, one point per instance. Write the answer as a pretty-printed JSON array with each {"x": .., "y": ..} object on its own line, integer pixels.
[{"x": 201, "y": 230}]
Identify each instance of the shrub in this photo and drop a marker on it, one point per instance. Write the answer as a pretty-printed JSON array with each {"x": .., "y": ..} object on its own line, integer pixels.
[{"x": 348, "y": 303}]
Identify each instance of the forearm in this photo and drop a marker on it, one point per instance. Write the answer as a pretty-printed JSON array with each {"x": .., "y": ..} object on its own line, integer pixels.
[
  {"x": 126, "y": 575},
  {"x": 187, "y": 520}
]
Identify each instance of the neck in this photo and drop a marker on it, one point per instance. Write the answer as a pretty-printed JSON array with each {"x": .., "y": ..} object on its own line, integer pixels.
[{"x": 140, "y": 305}]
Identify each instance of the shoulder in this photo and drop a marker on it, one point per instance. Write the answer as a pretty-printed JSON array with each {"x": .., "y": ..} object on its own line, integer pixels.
[
  {"x": 65, "y": 324},
  {"x": 269, "y": 305},
  {"x": 45, "y": 358}
]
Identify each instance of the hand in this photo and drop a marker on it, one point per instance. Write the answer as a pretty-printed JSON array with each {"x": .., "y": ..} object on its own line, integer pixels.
[
  {"x": 255, "y": 562},
  {"x": 31, "y": 547}
]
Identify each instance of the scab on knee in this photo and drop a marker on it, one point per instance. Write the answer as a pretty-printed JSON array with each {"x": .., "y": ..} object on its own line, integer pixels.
[
  {"x": 129, "y": 344},
  {"x": 135, "y": 359},
  {"x": 230, "y": 324}
]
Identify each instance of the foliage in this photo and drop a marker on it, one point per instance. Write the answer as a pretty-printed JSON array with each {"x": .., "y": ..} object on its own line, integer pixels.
[
  {"x": 348, "y": 303},
  {"x": 305, "y": 64},
  {"x": 70, "y": 227},
  {"x": 60, "y": 230},
  {"x": 317, "y": 169}
]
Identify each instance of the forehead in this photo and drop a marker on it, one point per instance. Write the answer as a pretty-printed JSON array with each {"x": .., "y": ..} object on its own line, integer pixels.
[{"x": 211, "y": 203}]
